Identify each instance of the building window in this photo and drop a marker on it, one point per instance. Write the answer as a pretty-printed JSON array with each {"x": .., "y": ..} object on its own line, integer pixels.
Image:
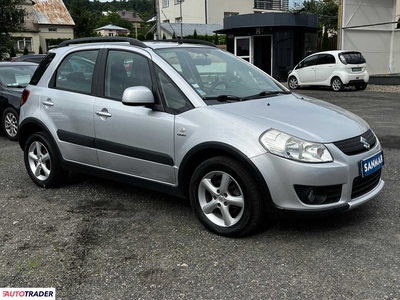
[
  {"x": 178, "y": 2},
  {"x": 166, "y": 21},
  {"x": 52, "y": 29},
  {"x": 263, "y": 4},
  {"x": 21, "y": 43},
  {"x": 110, "y": 34},
  {"x": 165, "y": 3},
  {"x": 178, "y": 20}
]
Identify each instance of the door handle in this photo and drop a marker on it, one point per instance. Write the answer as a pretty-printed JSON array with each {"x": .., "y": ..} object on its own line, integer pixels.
[
  {"x": 48, "y": 102},
  {"x": 103, "y": 113}
]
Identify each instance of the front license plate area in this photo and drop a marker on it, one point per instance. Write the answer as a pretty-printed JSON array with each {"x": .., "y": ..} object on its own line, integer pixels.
[{"x": 371, "y": 164}]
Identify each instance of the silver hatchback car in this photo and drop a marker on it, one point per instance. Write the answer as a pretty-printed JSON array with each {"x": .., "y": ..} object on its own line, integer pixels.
[{"x": 187, "y": 118}]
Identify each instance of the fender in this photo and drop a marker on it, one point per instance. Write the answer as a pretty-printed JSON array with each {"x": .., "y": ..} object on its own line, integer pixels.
[{"x": 210, "y": 149}]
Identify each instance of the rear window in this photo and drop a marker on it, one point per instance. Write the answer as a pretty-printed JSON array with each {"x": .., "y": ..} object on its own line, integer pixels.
[
  {"x": 42, "y": 68},
  {"x": 353, "y": 57}
]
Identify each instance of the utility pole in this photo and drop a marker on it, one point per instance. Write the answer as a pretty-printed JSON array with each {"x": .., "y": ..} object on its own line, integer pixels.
[{"x": 158, "y": 20}]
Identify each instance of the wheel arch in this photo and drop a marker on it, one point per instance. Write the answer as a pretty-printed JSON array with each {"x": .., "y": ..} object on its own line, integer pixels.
[
  {"x": 207, "y": 150},
  {"x": 30, "y": 126}
]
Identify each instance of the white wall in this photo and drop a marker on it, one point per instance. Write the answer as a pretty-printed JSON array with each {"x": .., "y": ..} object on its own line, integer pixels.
[
  {"x": 194, "y": 11},
  {"x": 375, "y": 42}
]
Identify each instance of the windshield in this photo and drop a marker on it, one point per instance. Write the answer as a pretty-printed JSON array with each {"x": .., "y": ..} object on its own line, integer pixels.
[
  {"x": 216, "y": 74},
  {"x": 16, "y": 76}
]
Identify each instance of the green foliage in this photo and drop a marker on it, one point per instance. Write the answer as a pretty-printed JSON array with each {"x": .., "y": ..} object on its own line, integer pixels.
[
  {"x": 327, "y": 12},
  {"x": 173, "y": 36},
  {"x": 12, "y": 51},
  {"x": 26, "y": 51},
  {"x": 216, "y": 39},
  {"x": 163, "y": 36},
  {"x": 40, "y": 50},
  {"x": 84, "y": 16},
  {"x": 11, "y": 17},
  {"x": 87, "y": 14},
  {"x": 114, "y": 19},
  {"x": 195, "y": 34}
]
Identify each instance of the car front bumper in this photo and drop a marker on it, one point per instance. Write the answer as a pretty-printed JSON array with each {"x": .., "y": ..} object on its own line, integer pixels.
[{"x": 282, "y": 175}]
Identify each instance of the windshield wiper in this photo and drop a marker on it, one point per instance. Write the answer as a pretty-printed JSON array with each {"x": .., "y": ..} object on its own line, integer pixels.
[
  {"x": 223, "y": 98},
  {"x": 265, "y": 93}
]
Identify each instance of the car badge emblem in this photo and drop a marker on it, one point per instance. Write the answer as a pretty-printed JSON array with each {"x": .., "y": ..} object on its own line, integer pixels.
[{"x": 365, "y": 143}]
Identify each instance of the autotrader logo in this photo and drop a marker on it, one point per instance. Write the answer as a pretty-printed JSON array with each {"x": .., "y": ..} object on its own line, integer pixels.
[
  {"x": 365, "y": 143},
  {"x": 31, "y": 293}
]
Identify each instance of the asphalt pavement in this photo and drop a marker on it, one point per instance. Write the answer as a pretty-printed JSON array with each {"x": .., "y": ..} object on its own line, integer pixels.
[{"x": 97, "y": 239}]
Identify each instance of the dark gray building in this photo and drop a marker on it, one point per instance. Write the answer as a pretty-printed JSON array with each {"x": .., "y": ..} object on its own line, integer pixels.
[{"x": 274, "y": 42}]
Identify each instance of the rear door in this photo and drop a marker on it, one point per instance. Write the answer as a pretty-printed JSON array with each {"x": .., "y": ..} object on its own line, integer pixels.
[
  {"x": 325, "y": 67},
  {"x": 67, "y": 107},
  {"x": 133, "y": 140},
  {"x": 306, "y": 70}
]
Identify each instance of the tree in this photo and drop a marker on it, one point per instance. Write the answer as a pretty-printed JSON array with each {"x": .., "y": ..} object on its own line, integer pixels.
[
  {"x": 114, "y": 19},
  {"x": 327, "y": 12},
  {"x": 11, "y": 20},
  {"x": 216, "y": 39},
  {"x": 26, "y": 51},
  {"x": 40, "y": 49},
  {"x": 12, "y": 51},
  {"x": 195, "y": 34}
]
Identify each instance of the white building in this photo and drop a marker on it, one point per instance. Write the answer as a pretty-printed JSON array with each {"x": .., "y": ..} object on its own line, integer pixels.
[
  {"x": 214, "y": 11},
  {"x": 369, "y": 26}
]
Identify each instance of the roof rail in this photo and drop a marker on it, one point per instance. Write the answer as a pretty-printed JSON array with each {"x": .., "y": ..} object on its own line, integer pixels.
[
  {"x": 188, "y": 41},
  {"x": 131, "y": 41}
]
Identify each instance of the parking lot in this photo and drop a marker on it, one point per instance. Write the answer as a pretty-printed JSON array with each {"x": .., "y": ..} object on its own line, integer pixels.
[{"x": 96, "y": 239}]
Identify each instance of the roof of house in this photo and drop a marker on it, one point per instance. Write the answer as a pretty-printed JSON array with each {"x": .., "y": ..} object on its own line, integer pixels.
[
  {"x": 112, "y": 27},
  {"x": 131, "y": 16},
  {"x": 188, "y": 29},
  {"x": 52, "y": 12}
]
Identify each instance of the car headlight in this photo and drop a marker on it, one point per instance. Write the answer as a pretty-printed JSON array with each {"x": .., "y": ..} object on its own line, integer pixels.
[{"x": 291, "y": 147}]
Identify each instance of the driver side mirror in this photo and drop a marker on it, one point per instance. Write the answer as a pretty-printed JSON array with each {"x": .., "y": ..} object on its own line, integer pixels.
[{"x": 138, "y": 96}]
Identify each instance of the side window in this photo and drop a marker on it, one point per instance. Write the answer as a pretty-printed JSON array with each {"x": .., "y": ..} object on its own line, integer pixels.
[
  {"x": 311, "y": 61},
  {"x": 76, "y": 72},
  {"x": 324, "y": 59},
  {"x": 174, "y": 99},
  {"x": 125, "y": 69}
]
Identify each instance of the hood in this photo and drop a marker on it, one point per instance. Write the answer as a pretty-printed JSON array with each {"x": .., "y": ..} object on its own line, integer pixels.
[{"x": 307, "y": 118}]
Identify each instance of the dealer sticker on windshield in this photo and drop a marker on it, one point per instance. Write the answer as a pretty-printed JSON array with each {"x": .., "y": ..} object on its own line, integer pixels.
[{"x": 371, "y": 164}]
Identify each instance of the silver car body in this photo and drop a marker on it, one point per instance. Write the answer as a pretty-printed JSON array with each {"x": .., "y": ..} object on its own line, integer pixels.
[{"x": 175, "y": 137}]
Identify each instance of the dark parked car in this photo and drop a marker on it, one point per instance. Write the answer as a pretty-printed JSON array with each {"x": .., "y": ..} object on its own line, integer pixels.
[
  {"x": 14, "y": 77},
  {"x": 35, "y": 58}
]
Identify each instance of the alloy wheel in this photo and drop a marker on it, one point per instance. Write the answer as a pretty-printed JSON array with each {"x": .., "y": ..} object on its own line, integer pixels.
[
  {"x": 11, "y": 124},
  {"x": 39, "y": 160},
  {"x": 221, "y": 199}
]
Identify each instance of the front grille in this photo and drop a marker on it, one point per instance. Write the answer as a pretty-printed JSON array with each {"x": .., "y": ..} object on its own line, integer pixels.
[
  {"x": 354, "y": 145},
  {"x": 362, "y": 185}
]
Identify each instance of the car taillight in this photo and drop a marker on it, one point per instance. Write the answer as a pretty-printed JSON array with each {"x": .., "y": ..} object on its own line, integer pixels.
[{"x": 24, "y": 96}]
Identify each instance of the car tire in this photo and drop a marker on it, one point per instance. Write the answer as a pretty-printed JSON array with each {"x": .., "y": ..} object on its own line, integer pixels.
[
  {"x": 231, "y": 211},
  {"x": 293, "y": 83},
  {"x": 361, "y": 87},
  {"x": 42, "y": 162},
  {"x": 337, "y": 84},
  {"x": 9, "y": 122}
]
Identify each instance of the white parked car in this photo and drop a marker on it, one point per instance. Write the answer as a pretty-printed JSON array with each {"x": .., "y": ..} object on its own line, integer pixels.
[{"x": 336, "y": 69}]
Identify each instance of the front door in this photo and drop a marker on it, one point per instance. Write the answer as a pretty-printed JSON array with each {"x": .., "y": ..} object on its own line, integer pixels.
[{"x": 133, "y": 140}]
